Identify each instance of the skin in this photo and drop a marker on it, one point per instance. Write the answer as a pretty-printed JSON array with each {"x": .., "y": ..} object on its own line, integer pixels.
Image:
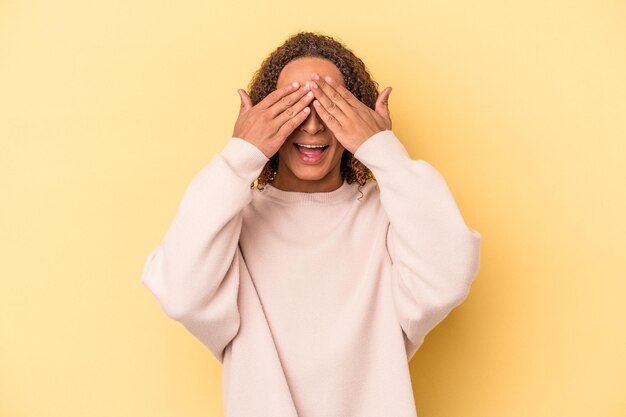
[{"x": 329, "y": 115}]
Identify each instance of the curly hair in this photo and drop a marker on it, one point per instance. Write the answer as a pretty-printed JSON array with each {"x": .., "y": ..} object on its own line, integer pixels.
[{"x": 356, "y": 77}]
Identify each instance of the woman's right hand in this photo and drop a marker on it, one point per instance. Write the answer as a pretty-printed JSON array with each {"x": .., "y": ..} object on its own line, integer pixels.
[{"x": 268, "y": 123}]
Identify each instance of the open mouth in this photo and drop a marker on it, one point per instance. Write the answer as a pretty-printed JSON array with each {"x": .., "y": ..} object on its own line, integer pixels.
[{"x": 310, "y": 153}]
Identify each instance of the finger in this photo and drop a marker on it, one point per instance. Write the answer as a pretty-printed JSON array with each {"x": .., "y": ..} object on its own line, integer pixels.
[
  {"x": 327, "y": 117},
  {"x": 382, "y": 103},
  {"x": 291, "y": 124},
  {"x": 291, "y": 111},
  {"x": 344, "y": 92},
  {"x": 330, "y": 103},
  {"x": 246, "y": 102},
  {"x": 286, "y": 102},
  {"x": 277, "y": 94}
]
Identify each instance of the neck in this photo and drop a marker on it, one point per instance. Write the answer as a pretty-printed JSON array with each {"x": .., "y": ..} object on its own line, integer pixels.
[{"x": 285, "y": 180}]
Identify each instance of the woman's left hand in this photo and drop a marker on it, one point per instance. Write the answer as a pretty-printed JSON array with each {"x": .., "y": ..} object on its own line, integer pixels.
[{"x": 349, "y": 119}]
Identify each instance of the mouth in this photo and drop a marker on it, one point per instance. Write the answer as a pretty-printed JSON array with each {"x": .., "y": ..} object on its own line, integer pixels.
[{"x": 310, "y": 153}]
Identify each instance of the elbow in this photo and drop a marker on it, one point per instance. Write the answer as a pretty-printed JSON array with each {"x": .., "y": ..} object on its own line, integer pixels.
[
  {"x": 473, "y": 257},
  {"x": 470, "y": 263},
  {"x": 467, "y": 267},
  {"x": 154, "y": 278},
  {"x": 152, "y": 270},
  {"x": 176, "y": 311},
  {"x": 454, "y": 297},
  {"x": 172, "y": 307},
  {"x": 458, "y": 293}
]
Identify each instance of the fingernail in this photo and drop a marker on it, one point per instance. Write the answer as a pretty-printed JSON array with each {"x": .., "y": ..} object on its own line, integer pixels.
[
  {"x": 315, "y": 76},
  {"x": 327, "y": 78},
  {"x": 307, "y": 85},
  {"x": 295, "y": 84},
  {"x": 314, "y": 85}
]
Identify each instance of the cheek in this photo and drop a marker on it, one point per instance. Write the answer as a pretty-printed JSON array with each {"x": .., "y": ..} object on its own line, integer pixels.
[
  {"x": 338, "y": 156},
  {"x": 340, "y": 148},
  {"x": 286, "y": 147}
]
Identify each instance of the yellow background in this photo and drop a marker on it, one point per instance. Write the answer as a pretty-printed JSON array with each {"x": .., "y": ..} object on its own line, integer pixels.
[{"x": 107, "y": 109}]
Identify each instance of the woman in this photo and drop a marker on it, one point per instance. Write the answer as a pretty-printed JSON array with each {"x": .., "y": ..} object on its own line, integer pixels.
[{"x": 312, "y": 255}]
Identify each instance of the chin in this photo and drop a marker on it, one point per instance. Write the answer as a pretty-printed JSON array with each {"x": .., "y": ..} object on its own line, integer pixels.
[{"x": 310, "y": 174}]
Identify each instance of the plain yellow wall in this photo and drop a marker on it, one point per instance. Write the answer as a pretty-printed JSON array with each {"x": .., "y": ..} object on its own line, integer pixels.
[{"x": 107, "y": 110}]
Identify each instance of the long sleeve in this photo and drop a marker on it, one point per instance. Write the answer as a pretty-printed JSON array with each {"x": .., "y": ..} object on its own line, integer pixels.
[
  {"x": 435, "y": 255},
  {"x": 194, "y": 271}
]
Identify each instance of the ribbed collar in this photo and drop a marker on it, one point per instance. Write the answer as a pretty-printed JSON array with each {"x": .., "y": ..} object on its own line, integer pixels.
[{"x": 344, "y": 192}]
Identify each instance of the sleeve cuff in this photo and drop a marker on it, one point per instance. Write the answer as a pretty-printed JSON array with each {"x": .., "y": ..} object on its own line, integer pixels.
[
  {"x": 244, "y": 158},
  {"x": 381, "y": 149}
]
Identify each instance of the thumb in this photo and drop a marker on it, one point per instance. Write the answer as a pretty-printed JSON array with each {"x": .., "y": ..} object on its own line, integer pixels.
[
  {"x": 246, "y": 102},
  {"x": 382, "y": 103},
  {"x": 382, "y": 106}
]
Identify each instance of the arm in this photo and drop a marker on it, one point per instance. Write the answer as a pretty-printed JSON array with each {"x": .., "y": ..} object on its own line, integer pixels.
[
  {"x": 194, "y": 271},
  {"x": 435, "y": 255}
]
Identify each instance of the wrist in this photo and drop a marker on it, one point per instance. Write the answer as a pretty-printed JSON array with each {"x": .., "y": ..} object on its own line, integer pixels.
[{"x": 260, "y": 146}]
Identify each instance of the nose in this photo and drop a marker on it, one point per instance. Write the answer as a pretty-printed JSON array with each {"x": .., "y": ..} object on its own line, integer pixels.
[{"x": 313, "y": 123}]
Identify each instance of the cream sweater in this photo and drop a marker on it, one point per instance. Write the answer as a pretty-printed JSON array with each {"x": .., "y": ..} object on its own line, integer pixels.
[{"x": 315, "y": 302}]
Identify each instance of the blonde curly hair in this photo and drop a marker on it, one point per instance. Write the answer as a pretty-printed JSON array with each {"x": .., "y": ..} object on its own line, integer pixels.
[{"x": 356, "y": 77}]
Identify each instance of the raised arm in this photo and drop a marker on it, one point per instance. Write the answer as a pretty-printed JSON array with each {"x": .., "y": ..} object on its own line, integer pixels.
[
  {"x": 194, "y": 271},
  {"x": 435, "y": 254}
]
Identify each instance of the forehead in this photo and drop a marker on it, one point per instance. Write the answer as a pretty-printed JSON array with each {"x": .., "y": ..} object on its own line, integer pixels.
[{"x": 300, "y": 70}]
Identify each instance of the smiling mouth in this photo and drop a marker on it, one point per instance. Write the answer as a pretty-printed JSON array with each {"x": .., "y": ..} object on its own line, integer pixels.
[
  {"x": 310, "y": 153},
  {"x": 311, "y": 150},
  {"x": 304, "y": 146}
]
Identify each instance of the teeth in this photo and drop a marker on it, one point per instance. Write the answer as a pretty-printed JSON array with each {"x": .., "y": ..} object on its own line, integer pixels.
[{"x": 311, "y": 146}]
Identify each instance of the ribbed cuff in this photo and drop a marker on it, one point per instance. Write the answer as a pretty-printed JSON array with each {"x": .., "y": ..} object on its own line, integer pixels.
[
  {"x": 381, "y": 150},
  {"x": 244, "y": 158}
]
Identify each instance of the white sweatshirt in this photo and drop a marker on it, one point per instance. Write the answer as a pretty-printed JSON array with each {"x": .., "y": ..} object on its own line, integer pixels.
[{"x": 315, "y": 302}]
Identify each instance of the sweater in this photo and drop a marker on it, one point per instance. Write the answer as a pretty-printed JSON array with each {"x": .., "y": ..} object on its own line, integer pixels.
[{"x": 314, "y": 303}]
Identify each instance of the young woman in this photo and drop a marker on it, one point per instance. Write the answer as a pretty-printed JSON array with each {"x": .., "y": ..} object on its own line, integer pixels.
[{"x": 312, "y": 255}]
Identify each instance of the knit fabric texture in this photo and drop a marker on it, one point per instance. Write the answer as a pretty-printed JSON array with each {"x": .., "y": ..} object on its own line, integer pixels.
[{"x": 314, "y": 303}]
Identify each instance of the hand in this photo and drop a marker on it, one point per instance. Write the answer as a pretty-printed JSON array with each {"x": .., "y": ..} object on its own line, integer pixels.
[
  {"x": 350, "y": 120},
  {"x": 267, "y": 124}
]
